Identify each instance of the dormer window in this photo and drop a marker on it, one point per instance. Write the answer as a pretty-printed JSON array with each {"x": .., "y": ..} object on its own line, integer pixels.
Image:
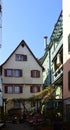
[{"x": 20, "y": 57}]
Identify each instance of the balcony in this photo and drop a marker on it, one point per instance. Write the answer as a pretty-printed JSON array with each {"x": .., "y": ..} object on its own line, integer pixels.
[
  {"x": 57, "y": 74},
  {"x": 57, "y": 48}
]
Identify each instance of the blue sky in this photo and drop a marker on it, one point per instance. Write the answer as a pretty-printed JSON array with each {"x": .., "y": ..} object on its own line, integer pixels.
[{"x": 28, "y": 20}]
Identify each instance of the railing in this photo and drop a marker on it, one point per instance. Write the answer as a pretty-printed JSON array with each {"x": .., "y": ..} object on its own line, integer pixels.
[
  {"x": 57, "y": 73},
  {"x": 57, "y": 48}
]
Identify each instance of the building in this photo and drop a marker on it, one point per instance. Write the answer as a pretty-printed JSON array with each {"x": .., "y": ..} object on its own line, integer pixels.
[
  {"x": 21, "y": 78},
  {"x": 52, "y": 61},
  {"x": 66, "y": 59},
  {"x": 1, "y": 100},
  {"x": 56, "y": 60},
  {"x": 0, "y": 47}
]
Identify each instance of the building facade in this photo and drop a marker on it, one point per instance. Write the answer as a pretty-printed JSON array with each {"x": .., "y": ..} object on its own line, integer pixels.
[
  {"x": 21, "y": 78},
  {"x": 66, "y": 58},
  {"x": 52, "y": 61},
  {"x": 59, "y": 60},
  {"x": 1, "y": 100}
]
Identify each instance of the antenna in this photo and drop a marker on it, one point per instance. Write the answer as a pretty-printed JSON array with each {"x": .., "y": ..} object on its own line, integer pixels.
[{"x": 45, "y": 43}]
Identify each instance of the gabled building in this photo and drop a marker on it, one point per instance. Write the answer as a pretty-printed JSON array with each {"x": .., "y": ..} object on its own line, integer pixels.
[
  {"x": 52, "y": 61},
  {"x": 59, "y": 60},
  {"x": 21, "y": 78}
]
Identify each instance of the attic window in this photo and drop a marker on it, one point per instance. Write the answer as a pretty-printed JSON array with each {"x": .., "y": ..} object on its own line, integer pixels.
[
  {"x": 22, "y": 45},
  {"x": 20, "y": 57}
]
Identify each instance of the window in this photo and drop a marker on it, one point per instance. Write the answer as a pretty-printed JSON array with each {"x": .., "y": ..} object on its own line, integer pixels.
[
  {"x": 18, "y": 89},
  {"x": 35, "y": 73},
  {"x": 17, "y": 104},
  {"x": 13, "y": 89},
  {"x": 9, "y": 89},
  {"x": 34, "y": 89},
  {"x": 69, "y": 80},
  {"x": 69, "y": 43},
  {"x": 9, "y": 72},
  {"x": 17, "y": 73},
  {"x": 20, "y": 57},
  {"x": 13, "y": 72}
]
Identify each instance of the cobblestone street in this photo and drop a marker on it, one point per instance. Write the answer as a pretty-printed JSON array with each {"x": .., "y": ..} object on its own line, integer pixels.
[{"x": 11, "y": 126}]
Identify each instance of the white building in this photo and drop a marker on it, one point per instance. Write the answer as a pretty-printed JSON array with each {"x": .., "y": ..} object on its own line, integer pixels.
[{"x": 22, "y": 77}]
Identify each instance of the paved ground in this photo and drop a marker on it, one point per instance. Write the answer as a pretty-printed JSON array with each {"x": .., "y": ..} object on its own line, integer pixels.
[{"x": 11, "y": 126}]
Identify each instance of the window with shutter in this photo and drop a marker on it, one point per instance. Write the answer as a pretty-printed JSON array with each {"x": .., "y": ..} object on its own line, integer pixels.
[
  {"x": 17, "y": 73},
  {"x": 13, "y": 72},
  {"x": 34, "y": 89},
  {"x": 18, "y": 89},
  {"x": 13, "y": 89},
  {"x": 10, "y": 89},
  {"x": 20, "y": 57},
  {"x": 35, "y": 73}
]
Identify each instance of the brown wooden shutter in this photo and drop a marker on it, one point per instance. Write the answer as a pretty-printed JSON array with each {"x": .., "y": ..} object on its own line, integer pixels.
[
  {"x": 21, "y": 73},
  {"x": 31, "y": 89},
  {"x": 32, "y": 73},
  {"x": 20, "y": 89},
  {"x": 25, "y": 57},
  {"x": 5, "y": 72},
  {"x": 6, "y": 89},
  {"x": 38, "y": 73},
  {"x": 38, "y": 88}
]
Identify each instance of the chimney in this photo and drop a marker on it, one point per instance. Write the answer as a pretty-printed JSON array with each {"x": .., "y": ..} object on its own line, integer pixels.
[{"x": 45, "y": 43}]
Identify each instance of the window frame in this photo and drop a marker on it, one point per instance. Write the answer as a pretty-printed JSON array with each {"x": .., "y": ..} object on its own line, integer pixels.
[
  {"x": 20, "y": 57},
  {"x": 13, "y": 72},
  {"x": 33, "y": 87},
  {"x": 35, "y": 73},
  {"x": 13, "y": 89}
]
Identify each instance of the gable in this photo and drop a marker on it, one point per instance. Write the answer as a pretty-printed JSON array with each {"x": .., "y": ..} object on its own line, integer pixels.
[{"x": 22, "y": 48}]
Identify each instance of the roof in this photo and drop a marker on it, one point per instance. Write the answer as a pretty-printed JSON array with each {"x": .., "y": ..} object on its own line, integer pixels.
[
  {"x": 42, "y": 59},
  {"x": 58, "y": 29},
  {"x": 56, "y": 34},
  {"x": 24, "y": 43}
]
